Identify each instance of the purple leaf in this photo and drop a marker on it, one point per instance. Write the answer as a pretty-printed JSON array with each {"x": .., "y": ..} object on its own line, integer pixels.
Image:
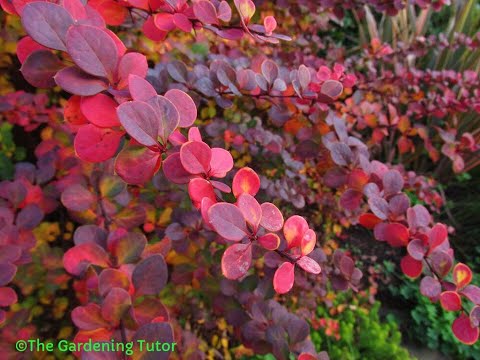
[
  {"x": 236, "y": 261},
  {"x": 47, "y": 24},
  {"x": 150, "y": 275},
  {"x": 77, "y": 82},
  {"x": 93, "y": 50}
]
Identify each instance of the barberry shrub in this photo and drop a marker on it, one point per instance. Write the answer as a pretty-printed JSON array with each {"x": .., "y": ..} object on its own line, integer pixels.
[{"x": 146, "y": 152}]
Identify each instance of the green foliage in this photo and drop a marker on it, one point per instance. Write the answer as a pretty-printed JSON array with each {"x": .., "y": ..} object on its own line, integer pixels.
[
  {"x": 363, "y": 335},
  {"x": 9, "y": 152},
  {"x": 430, "y": 326}
]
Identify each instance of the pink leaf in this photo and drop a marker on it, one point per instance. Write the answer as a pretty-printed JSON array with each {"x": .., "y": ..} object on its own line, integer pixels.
[
  {"x": 221, "y": 163},
  {"x": 309, "y": 265},
  {"x": 245, "y": 181},
  {"x": 195, "y": 157},
  {"x": 185, "y": 106},
  {"x": 294, "y": 229},
  {"x": 272, "y": 218},
  {"x": 228, "y": 221},
  {"x": 251, "y": 210},
  {"x": 284, "y": 278},
  {"x": 167, "y": 116},
  {"x": 269, "y": 241},
  {"x": 236, "y": 261},
  {"x": 131, "y": 64},
  {"x": 140, "y": 121},
  {"x": 205, "y": 12},
  {"x": 270, "y": 25},
  {"x": 140, "y": 89}
]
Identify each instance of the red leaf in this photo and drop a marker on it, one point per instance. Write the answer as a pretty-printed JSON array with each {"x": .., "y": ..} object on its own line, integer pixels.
[
  {"x": 113, "y": 12},
  {"x": 182, "y": 22},
  {"x": 236, "y": 261},
  {"x": 369, "y": 220},
  {"x": 309, "y": 265},
  {"x": 228, "y": 221},
  {"x": 411, "y": 267},
  {"x": 462, "y": 275},
  {"x": 245, "y": 181},
  {"x": 174, "y": 171},
  {"x": 137, "y": 164},
  {"x": 95, "y": 144},
  {"x": 151, "y": 31},
  {"x": 269, "y": 241},
  {"x": 164, "y": 21},
  {"x": 464, "y": 331},
  {"x": 294, "y": 229},
  {"x": 451, "y": 301},
  {"x": 284, "y": 278},
  {"x": 437, "y": 236},
  {"x": 27, "y": 46},
  {"x": 77, "y": 259},
  {"x": 396, "y": 234},
  {"x": 72, "y": 113},
  {"x": 198, "y": 189},
  {"x": 7, "y": 296},
  {"x": 100, "y": 110}
]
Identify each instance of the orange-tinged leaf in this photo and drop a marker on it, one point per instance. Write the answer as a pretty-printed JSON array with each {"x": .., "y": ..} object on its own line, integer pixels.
[{"x": 462, "y": 275}]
